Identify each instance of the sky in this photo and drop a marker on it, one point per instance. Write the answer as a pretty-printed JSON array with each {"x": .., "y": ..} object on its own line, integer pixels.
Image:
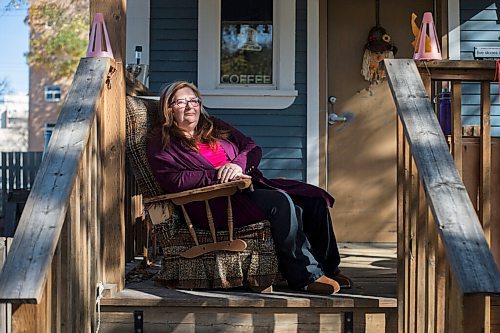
[{"x": 14, "y": 42}]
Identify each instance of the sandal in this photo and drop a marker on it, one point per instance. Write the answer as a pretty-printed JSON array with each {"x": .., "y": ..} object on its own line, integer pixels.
[
  {"x": 344, "y": 281},
  {"x": 323, "y": 286}
]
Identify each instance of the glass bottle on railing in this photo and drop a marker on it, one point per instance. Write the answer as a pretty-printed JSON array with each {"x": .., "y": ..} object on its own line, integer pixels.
[{"x": 445, "y": 111}]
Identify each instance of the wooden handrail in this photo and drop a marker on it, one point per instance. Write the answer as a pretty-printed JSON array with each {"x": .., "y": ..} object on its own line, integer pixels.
[
  {"x": 203, "y": 193},
  {"x": 455, "y": 218},
  {"x": 445, "y": 266},
  {"x": 483, "y": 70},
  {"x": 28, "y": 264}
]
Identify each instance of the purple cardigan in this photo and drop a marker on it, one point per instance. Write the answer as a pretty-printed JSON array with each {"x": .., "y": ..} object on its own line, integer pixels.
[{"x": 179, "y": 168}]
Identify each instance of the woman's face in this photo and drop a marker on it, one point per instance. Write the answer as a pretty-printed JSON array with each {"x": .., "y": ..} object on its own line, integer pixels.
[{"x": 186, "y": 109}]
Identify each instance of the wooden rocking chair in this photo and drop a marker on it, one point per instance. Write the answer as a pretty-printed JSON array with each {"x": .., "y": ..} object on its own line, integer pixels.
[{"x": 195, "y": 258}]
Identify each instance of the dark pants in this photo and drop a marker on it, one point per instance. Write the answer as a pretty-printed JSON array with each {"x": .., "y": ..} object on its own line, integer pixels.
[{"x": 303, "y": 234}]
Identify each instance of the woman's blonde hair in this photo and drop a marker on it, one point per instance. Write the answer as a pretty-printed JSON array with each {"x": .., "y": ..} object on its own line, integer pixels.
[{"x": 205, "y": 130}]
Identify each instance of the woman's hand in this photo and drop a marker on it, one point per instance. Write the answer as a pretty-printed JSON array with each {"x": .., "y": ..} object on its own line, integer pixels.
[{"x": 229, "y": 172}]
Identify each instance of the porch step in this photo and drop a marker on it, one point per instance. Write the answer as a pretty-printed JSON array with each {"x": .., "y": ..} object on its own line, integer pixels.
[
  {"x": 370, "y": 306},
  {"x": 167, "y": 310}
]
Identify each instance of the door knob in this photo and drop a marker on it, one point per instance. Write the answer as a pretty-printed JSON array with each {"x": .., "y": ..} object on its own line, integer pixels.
[{"x": 333, "y": 117}]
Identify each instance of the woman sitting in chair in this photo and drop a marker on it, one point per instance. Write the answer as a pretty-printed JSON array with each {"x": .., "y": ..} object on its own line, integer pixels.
[{"x": 192, "y": 150}]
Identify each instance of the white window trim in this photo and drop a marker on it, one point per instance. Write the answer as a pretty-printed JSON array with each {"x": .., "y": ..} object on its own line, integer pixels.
[
  {"x": 242, "y": 97},
  {"x": 138, "y": 14},
  {"x": 454, "y": 29},
  {"x": 313, "y": 88}
]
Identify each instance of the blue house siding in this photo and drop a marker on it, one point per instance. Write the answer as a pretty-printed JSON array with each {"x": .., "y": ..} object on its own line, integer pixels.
[
  {"x": 479, "y": 26},
  {"x": 280, "y": 133},
  {"x": 173, "y": 42}
]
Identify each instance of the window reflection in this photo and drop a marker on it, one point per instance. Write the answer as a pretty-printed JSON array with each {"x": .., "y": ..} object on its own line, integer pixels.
[{"x": 246, "y": 42}]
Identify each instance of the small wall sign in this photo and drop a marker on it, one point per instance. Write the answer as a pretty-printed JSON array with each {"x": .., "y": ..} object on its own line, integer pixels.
[{"x": 485, "y": 52}]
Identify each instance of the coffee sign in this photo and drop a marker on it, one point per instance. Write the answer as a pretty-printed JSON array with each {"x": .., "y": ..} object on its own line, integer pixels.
[{"x": 246, "y": 79}]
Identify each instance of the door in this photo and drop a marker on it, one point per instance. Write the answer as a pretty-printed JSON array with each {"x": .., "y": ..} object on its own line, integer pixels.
[{"x": 362, "y": 149}]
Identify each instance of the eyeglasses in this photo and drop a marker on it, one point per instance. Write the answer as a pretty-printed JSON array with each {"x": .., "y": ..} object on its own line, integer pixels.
[{"x": 183, "y": 102}]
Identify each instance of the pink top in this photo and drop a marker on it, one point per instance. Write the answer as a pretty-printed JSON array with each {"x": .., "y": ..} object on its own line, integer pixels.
[{"x": 217, "y": 158}]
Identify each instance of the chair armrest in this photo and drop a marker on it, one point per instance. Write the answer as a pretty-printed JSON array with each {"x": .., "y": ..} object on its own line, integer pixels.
[{"x": 203, "y": 193}]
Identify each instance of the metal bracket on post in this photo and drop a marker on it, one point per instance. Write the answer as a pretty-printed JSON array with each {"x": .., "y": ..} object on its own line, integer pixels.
[
  {"x": 138, "y": 321},
  {"x": 348, "y": 322},
  {"x": 112, "y": 71}
]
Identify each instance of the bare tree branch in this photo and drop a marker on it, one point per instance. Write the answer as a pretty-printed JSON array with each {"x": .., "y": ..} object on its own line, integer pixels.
[
  {"x": 16, "y": 4},
  {"x": 4, "y": 87}
]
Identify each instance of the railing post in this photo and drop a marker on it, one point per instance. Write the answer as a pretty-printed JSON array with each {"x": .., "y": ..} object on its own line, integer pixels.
[
  {"x": 431, "y": 272},
  {"x": 485, "y": 182},
  {"x": 400, "y": 222},
  {"x": 112, "y": 152},
  {"x": 456, "y": 121},
  {"x": 5, "y": 308},
  {"x": 406, "y": 232},
  {"x": 413, "y": 220},
  {"x": 465, "y": 312},
  {"x": 112, "y": 170},
  {"x": 421, "y": 260},
  {"x": 442, "y": 272},
  {"x": 33, "y": 317}
]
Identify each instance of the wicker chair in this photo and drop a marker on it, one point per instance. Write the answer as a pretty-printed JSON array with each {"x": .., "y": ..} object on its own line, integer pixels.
[{"x": 196, "y": 258}]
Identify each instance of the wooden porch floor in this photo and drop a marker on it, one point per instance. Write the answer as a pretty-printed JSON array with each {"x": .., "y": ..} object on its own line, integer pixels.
[{"x": 371, "y": 303}]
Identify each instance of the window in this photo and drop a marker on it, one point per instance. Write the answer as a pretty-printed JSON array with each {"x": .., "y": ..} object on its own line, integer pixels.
[
  {"x": 246, "y": 53},
  {"x": 52, "y": 93},
  {"x": 246, "y": 42}
]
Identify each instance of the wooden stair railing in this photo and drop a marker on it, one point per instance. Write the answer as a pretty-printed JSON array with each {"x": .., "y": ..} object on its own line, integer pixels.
[
  {"x": 445, "y": 267},
  {"x": 70, "y": 236}
]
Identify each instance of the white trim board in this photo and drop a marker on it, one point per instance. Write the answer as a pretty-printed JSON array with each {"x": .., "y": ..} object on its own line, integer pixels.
[
  {"x": 312, "y": 139},
  {"x": 454, "y": 29},
  {"x": 138, "y": 20}
]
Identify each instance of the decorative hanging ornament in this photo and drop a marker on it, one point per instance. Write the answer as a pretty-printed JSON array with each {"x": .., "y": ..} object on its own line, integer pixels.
[
  {"x": 426, "y": 42},
  {"x": 378, "y": 47}
]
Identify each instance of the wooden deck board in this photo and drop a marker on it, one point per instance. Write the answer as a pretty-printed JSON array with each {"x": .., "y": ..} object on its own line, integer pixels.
[{"x": 371, "y": 266}]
